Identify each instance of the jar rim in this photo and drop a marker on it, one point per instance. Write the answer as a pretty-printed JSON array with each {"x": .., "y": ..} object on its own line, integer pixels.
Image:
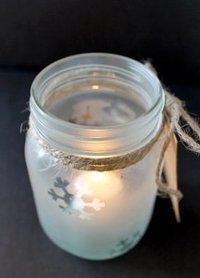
[
  {"x": 94, "y": 132},
  {"x": 54, "y": 64}
]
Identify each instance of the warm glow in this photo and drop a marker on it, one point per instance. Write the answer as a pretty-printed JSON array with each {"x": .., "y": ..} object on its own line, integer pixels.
[
  {"x": 95, "y": 87},
  {"x": 103, "y": 185}
]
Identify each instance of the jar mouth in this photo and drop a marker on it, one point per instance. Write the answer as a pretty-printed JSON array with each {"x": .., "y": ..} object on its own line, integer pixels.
[{"x": 110, "y": 62}]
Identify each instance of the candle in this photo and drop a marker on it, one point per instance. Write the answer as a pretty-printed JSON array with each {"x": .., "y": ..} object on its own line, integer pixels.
[{"x": 102, "y": 185}]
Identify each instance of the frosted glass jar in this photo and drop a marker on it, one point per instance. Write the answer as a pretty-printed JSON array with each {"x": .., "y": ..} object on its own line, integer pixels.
[{"x": 93, "y": 107}]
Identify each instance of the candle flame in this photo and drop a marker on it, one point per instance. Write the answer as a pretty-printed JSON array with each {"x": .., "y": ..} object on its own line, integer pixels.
[
  {"x": 95, "y": 87},
  {"x": 103, "y": 185}
]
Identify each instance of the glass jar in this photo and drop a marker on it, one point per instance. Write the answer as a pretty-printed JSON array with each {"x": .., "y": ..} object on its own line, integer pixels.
[{"x": 87, "y": 113}]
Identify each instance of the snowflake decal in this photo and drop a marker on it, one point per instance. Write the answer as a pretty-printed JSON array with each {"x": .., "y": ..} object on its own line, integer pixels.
[
  {"x": 75, "y": 203},
  {"x": 126, "y": 243}
]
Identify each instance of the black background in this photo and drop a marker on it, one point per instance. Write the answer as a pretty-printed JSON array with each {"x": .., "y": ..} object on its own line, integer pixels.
[{"x": 35, "y": 33}]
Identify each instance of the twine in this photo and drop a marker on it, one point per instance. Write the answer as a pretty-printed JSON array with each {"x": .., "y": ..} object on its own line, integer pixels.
[{"x": 173, "y": 113}]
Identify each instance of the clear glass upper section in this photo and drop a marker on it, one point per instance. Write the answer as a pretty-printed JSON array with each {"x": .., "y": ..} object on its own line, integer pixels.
[
  {"x": 100, "y": 104},
  {"x": 96, "y": 104}
]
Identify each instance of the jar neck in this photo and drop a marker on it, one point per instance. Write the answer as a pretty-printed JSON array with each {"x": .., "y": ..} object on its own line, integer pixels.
[{"x": 92, "y": 141}]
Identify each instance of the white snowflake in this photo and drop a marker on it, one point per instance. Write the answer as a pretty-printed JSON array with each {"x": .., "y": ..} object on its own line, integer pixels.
[{"x": 77, "y": 204}]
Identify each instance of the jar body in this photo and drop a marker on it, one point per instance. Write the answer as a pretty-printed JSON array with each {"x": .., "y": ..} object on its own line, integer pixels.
[
  {"x": 94, "y": 107},
  {"x": 101, "y": 225}
]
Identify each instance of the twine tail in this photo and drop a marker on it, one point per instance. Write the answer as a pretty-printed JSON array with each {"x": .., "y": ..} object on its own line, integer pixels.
[
  {"x": 185, "y": 136},
  {"x": 174, "y": 112}
]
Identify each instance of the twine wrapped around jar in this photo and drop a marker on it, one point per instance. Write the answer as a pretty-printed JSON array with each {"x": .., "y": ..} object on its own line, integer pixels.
[{"x": 172, "y": 115}]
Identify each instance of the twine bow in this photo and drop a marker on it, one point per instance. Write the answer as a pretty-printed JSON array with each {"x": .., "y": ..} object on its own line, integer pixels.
[{"x": 174, "y": 115}]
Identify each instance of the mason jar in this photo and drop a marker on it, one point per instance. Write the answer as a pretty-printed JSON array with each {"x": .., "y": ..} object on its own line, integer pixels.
[{"x": 90, "y": 114}]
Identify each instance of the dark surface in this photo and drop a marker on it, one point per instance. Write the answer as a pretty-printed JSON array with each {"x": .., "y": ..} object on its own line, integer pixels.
[
  {"x": 35, "y": 33},
  {"x": 167, "y": 249}
]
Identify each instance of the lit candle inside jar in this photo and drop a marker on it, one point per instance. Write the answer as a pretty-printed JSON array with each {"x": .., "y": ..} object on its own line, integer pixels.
[
  {"x": 93, "y": 112},
  {"x": 102, "y": 185},
  {"x": 91, "y": 191}
]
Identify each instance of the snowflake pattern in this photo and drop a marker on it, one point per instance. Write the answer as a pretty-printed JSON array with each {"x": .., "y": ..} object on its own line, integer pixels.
[
  {"x": 125, "y": 244},
  {"x": 100, "y": 112},
  {"x": 77, "y": 204}
]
